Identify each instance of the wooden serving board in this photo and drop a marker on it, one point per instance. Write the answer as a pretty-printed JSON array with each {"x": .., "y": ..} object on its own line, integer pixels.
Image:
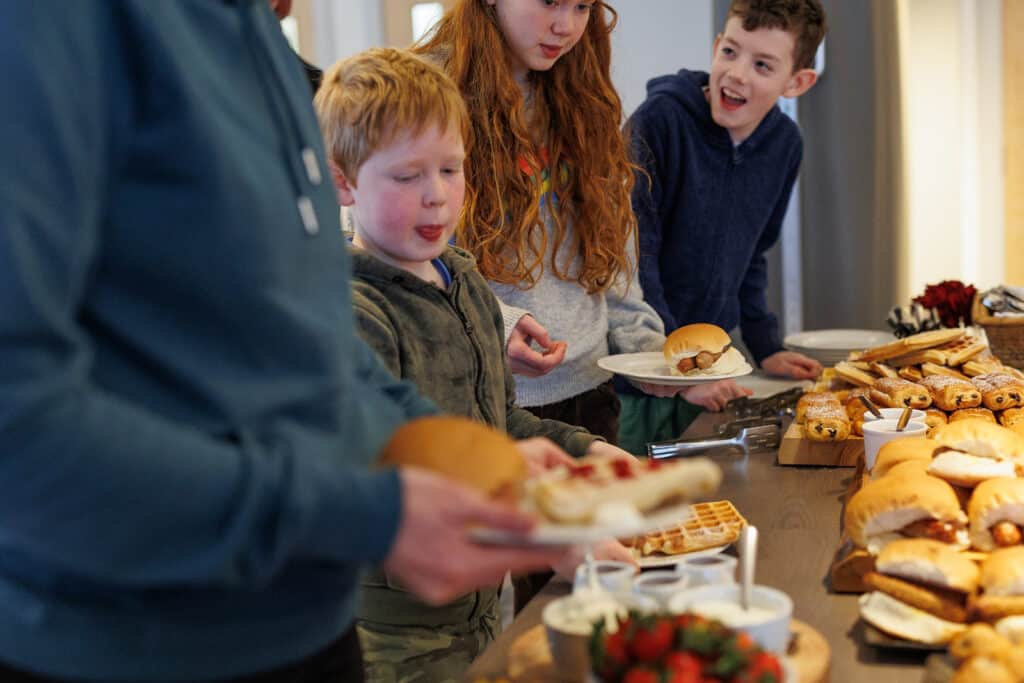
[
  {"x": 529, "y": 657},
  {"x": 796, "y": 450}
]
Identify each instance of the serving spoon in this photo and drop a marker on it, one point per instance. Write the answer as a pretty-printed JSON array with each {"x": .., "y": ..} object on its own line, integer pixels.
[
  {"x": 748, "y": 557},
  {"x": 901, "y": 424},
  {"x": 872, "y": 408}
]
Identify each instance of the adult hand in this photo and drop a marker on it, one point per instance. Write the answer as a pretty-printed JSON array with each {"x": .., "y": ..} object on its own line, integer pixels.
[
  {"x": 603, "y": 449},
  {"x": 523, "y": 359},
  {"x": 542, "y": 454},
  {"x": 714, "y": 395},
  {"x": 791, "y": 364},
  {"x": 603, "y": 550},
  {"x": 433, "y": 555}
]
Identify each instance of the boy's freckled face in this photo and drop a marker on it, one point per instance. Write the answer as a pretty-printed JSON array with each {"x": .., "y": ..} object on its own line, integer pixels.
[
  {"x": 408, "y": 197},
  {"x": 749, "y": 72}
]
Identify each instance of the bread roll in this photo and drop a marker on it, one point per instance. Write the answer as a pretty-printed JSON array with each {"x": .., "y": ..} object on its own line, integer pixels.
[
  {"x": 701, "y": 349},
  {"x": 1011, "y": 417},
  {"x": 916, "y": 448},
  {"x": 979, "y": 437},
  {"x": 930, "y": 563},
  {"x": 995, "y": 501},
  {"x": 463, "y": 450},
  {"x": 884, "y": 508},
  {"x": 899, "y": 619}
]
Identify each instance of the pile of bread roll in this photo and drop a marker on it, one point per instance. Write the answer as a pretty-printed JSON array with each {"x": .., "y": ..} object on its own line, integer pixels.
[
  {"x": 950, "y": 374},
  {"x": 944, "y": 518}
]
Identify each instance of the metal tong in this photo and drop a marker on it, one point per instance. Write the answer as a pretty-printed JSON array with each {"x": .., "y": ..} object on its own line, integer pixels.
[
  {"x": 777, "y": 405},
  {"x": 748, "y": 438}
]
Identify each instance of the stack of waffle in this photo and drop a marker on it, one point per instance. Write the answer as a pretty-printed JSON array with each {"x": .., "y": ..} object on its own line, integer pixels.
[{"x": 710, "y": 525}]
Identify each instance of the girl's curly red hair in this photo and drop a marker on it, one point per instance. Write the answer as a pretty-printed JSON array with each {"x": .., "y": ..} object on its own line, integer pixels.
[{"x": 577, "y": 115}]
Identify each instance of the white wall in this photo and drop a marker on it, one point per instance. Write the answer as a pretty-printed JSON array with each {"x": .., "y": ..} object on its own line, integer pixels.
[
  {"x": 654, "y": 37},
  {"x": 953, "y": 142},
  {"x": 657, "y": 37}
]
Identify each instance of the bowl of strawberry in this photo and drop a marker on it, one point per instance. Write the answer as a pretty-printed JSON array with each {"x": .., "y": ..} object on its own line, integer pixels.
[{"x": 684, "y": 648}]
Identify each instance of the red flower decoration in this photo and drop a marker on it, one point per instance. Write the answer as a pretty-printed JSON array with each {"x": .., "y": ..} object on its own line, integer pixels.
[{"x": 951, "y": 300}]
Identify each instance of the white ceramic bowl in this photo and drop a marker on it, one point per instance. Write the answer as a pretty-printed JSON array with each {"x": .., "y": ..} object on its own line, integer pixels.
[
  {"x": 880, "y": 432},
  {"x": 612, "y": 575},
  {"x": 569, "y": 622},
  {"x": 705, "y": 570},
  {"x": 767, "y": 622},
  {"x": 660, "y": 585},
  {"x": 894, "y": 414}
]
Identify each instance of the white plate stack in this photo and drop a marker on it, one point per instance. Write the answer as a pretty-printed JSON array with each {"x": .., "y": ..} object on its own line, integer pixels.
[{"x": 829, "y": 347}]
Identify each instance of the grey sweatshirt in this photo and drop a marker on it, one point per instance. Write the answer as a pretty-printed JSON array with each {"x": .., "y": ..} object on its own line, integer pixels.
[{"x": 594, "y": 325}]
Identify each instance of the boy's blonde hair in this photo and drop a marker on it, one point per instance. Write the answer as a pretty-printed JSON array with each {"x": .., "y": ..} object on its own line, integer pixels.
[{"x": 367, "y": 100}]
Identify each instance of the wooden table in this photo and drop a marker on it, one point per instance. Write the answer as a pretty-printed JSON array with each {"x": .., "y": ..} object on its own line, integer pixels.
[{"x": 796, "y": 510}]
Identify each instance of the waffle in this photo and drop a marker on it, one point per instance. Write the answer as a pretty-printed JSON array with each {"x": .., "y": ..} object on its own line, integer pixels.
[
  {"x": 916, "y": 342},
  {"x": 960, "y": 351},
  {"x": 710, "y": 525}
]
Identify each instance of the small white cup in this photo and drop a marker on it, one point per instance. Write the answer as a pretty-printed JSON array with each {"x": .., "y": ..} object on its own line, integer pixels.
[
  {"x": 880, "y": 432},
  {"x": 894, "y": 414},
  {"x": 767, "y": 622},
  {"x": 612, "y": 575},
  {"x": 660, "y": 585},
  {"x": 707, "y": 570}
]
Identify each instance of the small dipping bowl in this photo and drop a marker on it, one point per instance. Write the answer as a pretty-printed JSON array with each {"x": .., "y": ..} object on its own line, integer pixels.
[
  {"x": 767, "y": 620},
  {"x": 661, "y": 586},
  {"x": 612, "y": 575},
  {"x": 880, "y": 432},
  {"x": 569, "y": 623},
  {"x": 707, "y": 570},
  {"x": 894, "y": 414}
]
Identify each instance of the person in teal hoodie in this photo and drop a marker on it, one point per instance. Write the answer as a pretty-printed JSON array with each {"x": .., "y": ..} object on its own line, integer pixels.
[{"x": 187, "y": 415}]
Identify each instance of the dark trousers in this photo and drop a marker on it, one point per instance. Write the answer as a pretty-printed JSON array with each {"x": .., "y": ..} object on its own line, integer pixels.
[
  {"x": 340, "y": 662},
  {"x": 597, "y": 411}
]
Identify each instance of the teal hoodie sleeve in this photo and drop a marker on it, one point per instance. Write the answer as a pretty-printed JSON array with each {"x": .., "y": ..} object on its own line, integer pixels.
[{"x": 108, "y": 488}]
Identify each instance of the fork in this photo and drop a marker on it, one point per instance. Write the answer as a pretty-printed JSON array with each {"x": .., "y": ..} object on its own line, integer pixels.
[{"x": 748, "y": 439}]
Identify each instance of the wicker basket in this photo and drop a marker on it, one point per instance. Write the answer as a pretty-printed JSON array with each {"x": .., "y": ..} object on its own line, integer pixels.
[{"x": 1005, "y": 335}]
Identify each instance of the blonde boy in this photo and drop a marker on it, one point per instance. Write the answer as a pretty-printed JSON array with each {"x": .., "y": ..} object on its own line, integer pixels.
[{"x": 395, "y": 128}]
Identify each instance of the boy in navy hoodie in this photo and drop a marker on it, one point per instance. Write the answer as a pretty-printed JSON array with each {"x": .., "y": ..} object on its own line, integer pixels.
[{"x": 721, "y": 160}]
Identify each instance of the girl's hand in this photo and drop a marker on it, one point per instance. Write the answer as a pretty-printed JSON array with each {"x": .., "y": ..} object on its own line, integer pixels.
[
  {"x": 791, "y": 364},
  {"x": 522, "y": 359},
  {"x": 714, "y": 395}
]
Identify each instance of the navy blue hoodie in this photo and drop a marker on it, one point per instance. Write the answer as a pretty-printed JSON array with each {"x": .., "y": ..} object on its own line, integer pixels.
[{"x": 709, "y": 210}]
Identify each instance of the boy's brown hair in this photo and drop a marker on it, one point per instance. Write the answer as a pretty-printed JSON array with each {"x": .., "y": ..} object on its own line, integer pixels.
[
  {"x": 369, "y": 99},
  {"x": 803, "y": 19}
]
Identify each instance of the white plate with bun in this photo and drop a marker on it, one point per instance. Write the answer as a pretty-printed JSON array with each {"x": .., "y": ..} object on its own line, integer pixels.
[
  {"x": 692, "y": 354},
  {"x": 650, "y": 367}
]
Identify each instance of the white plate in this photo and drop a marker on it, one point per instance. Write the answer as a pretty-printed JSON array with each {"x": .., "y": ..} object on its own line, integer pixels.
[
  {"x": 651, "y": 561},
  {"x": 649, "y": 367},
  {"x": 574, "y": 534},
  {"x": 764, "y": 386}
]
